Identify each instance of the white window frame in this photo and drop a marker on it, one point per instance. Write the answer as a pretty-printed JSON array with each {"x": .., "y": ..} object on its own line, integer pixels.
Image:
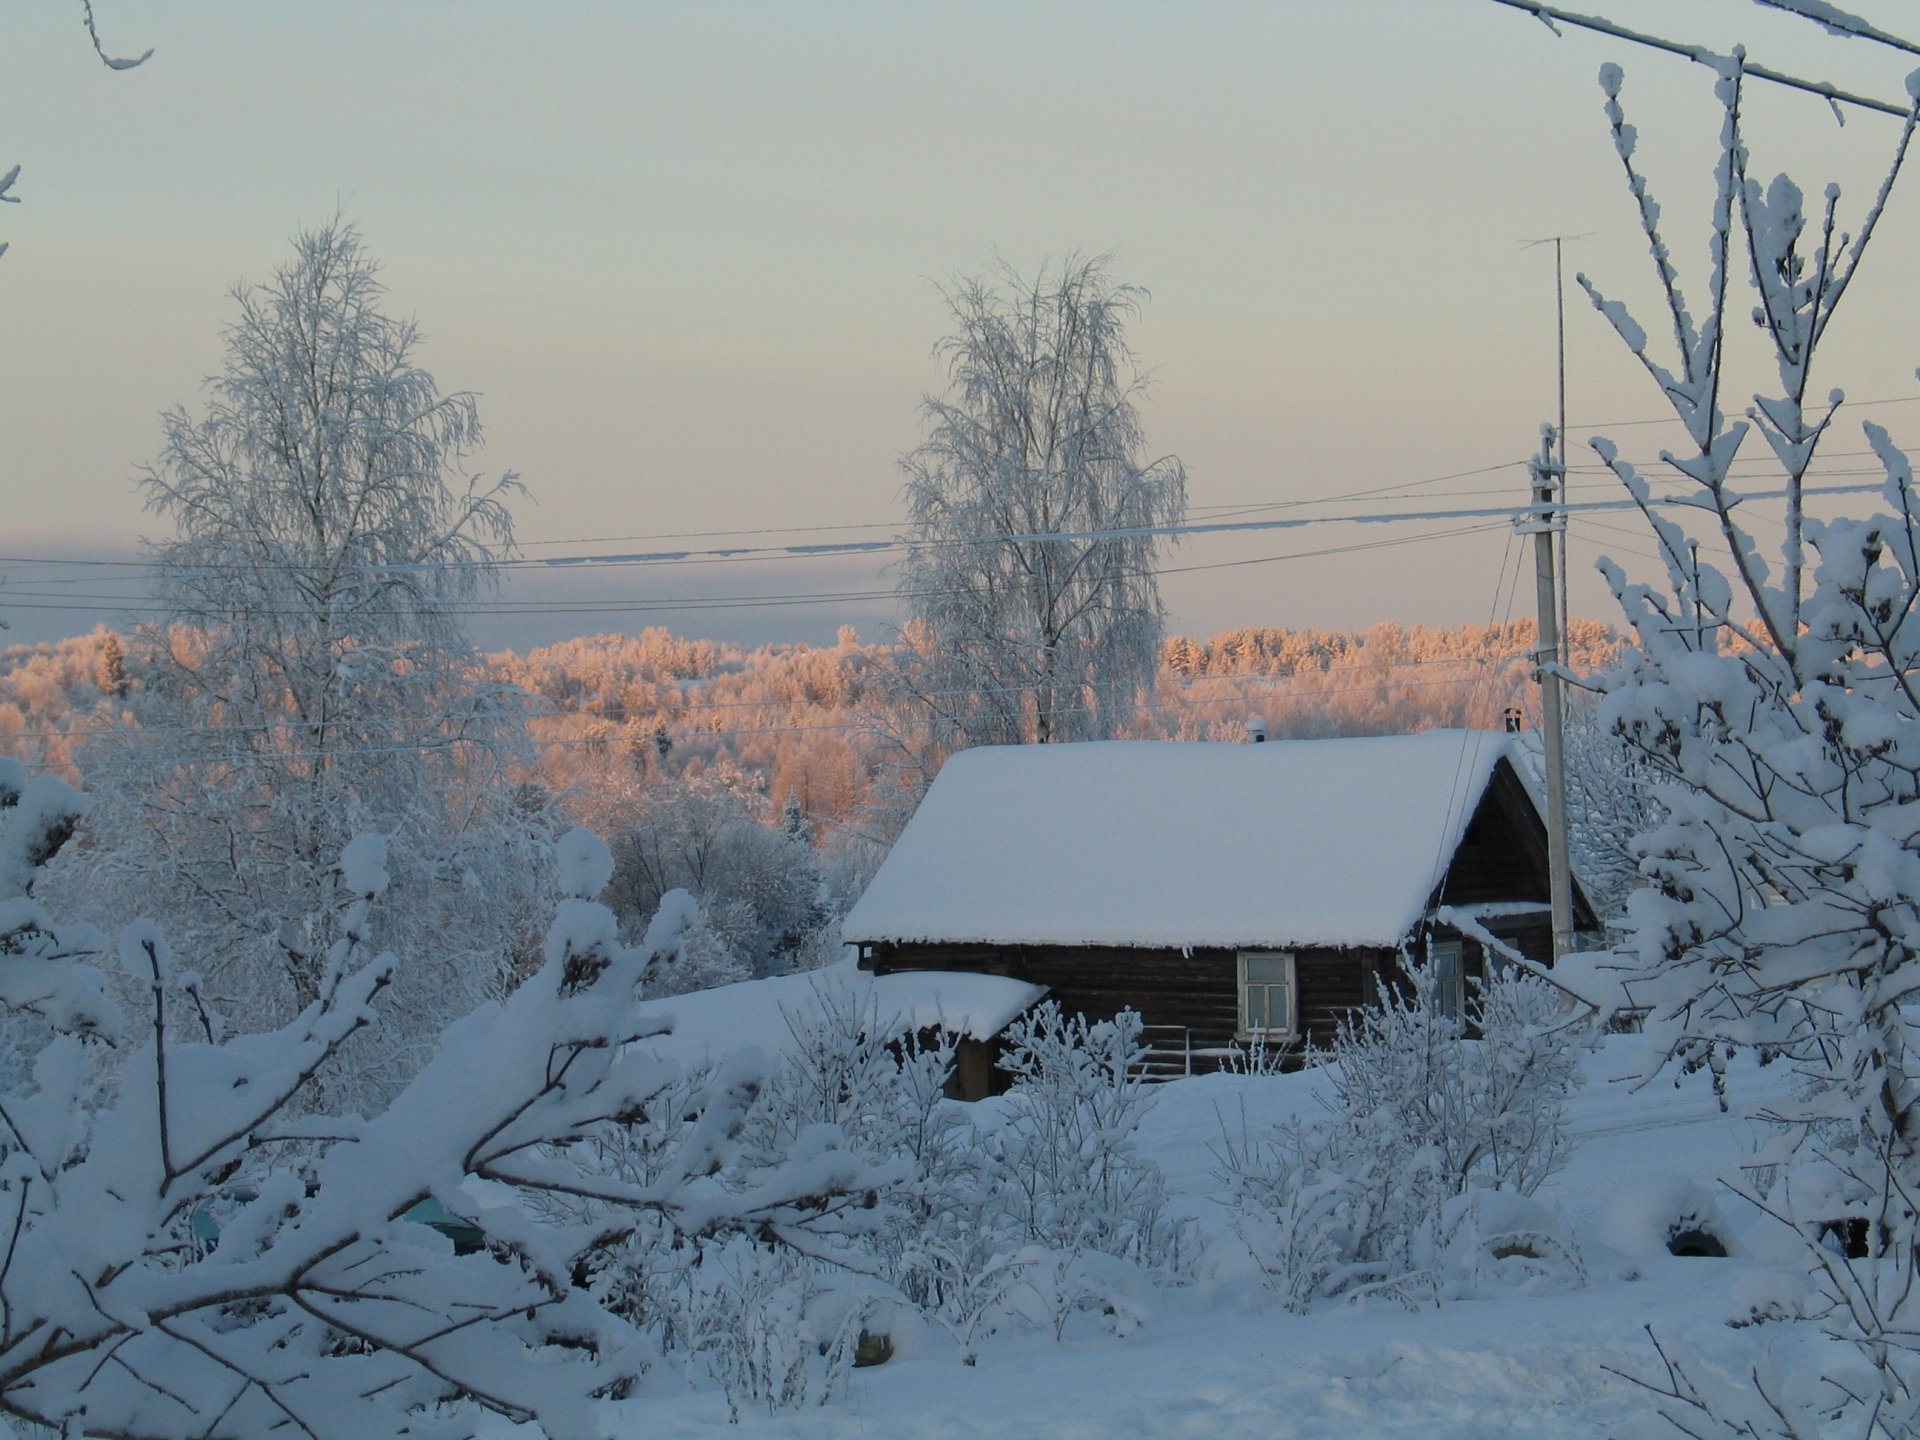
[{"x": 1248, "y": 1031}]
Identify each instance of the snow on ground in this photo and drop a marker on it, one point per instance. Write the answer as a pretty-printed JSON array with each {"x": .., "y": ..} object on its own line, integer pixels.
[{"x": 1220, "y": 1359}]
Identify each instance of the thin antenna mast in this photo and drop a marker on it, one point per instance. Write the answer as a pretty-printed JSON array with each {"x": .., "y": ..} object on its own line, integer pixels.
[{"x": 1563, "y": 652}]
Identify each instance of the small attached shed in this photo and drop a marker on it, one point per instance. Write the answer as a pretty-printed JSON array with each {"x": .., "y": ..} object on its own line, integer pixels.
[
  {"x": 1229, "y": 893},
  {"x": 967, "y": 1009}
]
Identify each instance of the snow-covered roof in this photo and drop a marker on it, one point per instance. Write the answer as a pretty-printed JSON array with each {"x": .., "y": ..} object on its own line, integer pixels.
[
  {"x": 1170, "y": 843},
  {"x": 711, "y": 1024}
]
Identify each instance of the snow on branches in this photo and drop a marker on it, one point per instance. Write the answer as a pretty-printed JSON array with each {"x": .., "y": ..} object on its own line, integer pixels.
[
  {"x": 314, "y": 677},
  {"x": 1029, "y": 571},
  {"x": 196, "y": 1253},
  {"x": 1772, "y": 701}
]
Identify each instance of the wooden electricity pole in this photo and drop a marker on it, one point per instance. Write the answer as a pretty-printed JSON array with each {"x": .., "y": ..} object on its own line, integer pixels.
[{"x": 1542, "y": 523}]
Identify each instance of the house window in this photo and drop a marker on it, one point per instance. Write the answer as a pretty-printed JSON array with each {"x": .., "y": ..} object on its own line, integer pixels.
[
  {"x": 1447, "y": 957},
  {"x": 1269, "y": 998}
]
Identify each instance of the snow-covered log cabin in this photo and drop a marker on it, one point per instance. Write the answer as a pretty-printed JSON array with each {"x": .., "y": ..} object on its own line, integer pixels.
[{"x": 1229, "y": 893}]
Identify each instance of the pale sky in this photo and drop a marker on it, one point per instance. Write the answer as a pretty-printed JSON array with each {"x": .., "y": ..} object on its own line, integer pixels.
[{"x": 687, "y": 255}]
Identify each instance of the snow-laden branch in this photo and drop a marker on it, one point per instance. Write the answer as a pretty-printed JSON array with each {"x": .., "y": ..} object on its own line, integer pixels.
[
  {"x": 1553, "y": 16},
  {"x": 320, "y": 1304},
  {"x": 1774, "y": 706}
]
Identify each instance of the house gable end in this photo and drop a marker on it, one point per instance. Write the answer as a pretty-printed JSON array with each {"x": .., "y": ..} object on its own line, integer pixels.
[{"x": 1502, "y": 854}]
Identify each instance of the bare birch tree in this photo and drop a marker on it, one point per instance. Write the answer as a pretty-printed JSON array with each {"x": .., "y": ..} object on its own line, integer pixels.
[
  {"x": 1030, "y": 570},
  {"x": 316, "y": 678}
]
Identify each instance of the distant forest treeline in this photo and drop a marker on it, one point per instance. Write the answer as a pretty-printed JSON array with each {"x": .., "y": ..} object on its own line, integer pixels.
[{"x": 808, "y": 726}]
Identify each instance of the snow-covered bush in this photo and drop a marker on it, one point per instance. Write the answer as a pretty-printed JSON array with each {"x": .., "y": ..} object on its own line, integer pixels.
[
  {"x": 1073, "y": 1180},
  {"x": 756, "y": 1320},
  {"x": 38, "y": 973},
  {"x": 1656, "y": 1213},
  {"x": 1419, "y": 1115},
  {"x": 763, "y": 1330},
  {"x": 1025, "y": 1211},
  {"x": 939, "y": 1241},
  {"x": 322, "y": 1307},
  {"x": 705, "y": 955},
  {"x": 1449, "y": 1112}
]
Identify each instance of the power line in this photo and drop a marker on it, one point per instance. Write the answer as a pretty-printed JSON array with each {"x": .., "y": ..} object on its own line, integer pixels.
[
  {"x": 737, "y": 553},
  {"x": 489, "y": 610},
  {"x": 1130, "y": 532}
]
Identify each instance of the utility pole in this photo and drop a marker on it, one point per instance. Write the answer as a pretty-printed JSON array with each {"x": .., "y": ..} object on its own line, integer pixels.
[{"x": 1549, "y": 479}]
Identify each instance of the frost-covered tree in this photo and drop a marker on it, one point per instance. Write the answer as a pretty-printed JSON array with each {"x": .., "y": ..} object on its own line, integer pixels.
[
  {"x": 1772, "y": 699},
  {"x": 1034, "y": 602},
  {"x": 193, "y": 1251},
  {"x": 315, "y": 679}
]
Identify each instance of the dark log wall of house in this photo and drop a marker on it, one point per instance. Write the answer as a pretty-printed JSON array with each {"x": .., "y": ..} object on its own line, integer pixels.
[
  {"x": 1499, "y": 857},
  {"x": 1196, "y": 993},
  {"x": 1503, "y": 857}
]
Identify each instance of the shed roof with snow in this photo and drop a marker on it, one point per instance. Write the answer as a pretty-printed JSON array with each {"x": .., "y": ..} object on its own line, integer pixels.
[
  {"x": 709, "y": 1024},
  {"x": 1182, "y": 844}
]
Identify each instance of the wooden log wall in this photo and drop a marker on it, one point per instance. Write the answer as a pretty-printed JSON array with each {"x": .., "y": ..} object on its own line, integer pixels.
[{"x": 1197, "y": 992}]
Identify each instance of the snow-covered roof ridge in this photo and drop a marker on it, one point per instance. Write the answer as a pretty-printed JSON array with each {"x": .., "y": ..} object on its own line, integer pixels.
[{"x": 1158, "y": 843}]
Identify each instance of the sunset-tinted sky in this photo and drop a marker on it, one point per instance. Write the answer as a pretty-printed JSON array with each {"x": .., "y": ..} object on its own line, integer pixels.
[{"x": 688, "y": 254}]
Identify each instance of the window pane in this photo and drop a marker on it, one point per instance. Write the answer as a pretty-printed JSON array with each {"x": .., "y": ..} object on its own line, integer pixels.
[
  {"x": 1266, "y": 990},
  {"x": 1267, "y": 1007},
  {"x": 1267, "y": 969}
]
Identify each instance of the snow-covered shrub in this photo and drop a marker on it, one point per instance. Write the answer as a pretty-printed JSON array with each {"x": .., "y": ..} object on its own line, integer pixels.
[
  {"x": 39, "y": 975},
  {"x": 1499, "y": 1240},
  {"x": 1026, "y": 1211},
  {"x": 966, "y": 1271},
  {"x": 841, "y": 1083},
  {"x": 763, "y": 1331},
  {"x": 1487, "y": 1111},
  {"x": 705, "y": 954},
  {"x": 321, "y": 1306},
  {"x": 1300, "y": 1220},
  {"x": 1256, "y": 1057},
  {"x": 940, "y": 1238},
  {"x": 1072, "y": 1178},
  {"x": 1419, "y": 1115}
]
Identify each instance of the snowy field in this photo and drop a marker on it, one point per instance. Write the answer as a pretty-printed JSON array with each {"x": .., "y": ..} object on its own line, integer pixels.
[{"x": 1220, "y": 1358}]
